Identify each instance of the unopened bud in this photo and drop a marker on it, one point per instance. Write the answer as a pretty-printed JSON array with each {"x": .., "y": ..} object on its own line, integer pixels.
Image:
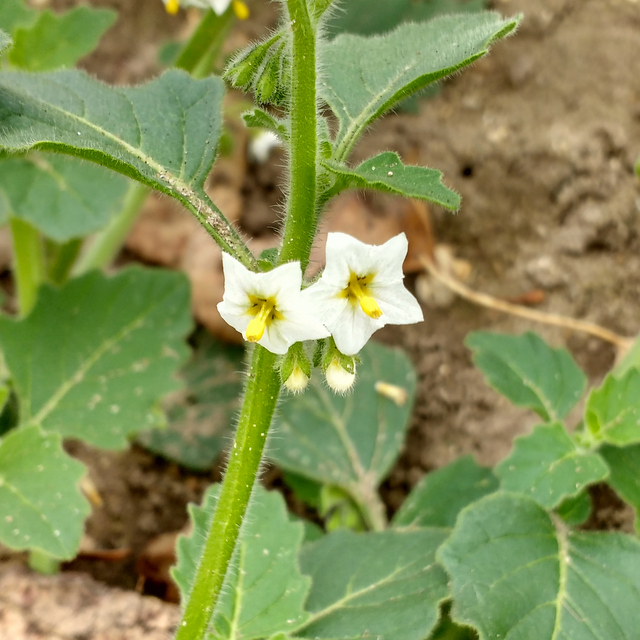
[
  {"x": 298, "y": 380},
  {"x": 339, "y": 379}
]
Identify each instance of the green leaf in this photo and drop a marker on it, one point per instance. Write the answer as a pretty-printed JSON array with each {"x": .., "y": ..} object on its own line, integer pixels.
[
  {"x": 41, "y": 506},
  {"x": 529, "y": 372},
  {"x": 612, "y": 413},
  {"x": 202, "y": 416},
  {"x": 264, "y": 591},
  {"x": 575, "y": 511},
  {"x": 5, "y": 41},
  {"x": 516, "y": 572},
  {"x": 15, "y": 13},
  {"x": 163, "y": 134},
  {"x": 94, "y": 357},
  {"x": 386, "y": 583},
  {"x": 547, "y": 466},
  {"x": 624, "y": 474},
  {"x": 365, "y": 77},
  {"x": 386, "y": 172},
  {"x": 63, "y": 197},
  {"x": 347, "y": 441},
  {"x": 59, "y": 39},
  {"x": 261, "y": 119},
  {"x": 439, "y": 497}
]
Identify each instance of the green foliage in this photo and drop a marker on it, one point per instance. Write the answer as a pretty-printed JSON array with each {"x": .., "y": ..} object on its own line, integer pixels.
[
  {"x": 624, "y": 475},
  {"x": 264, "y": 591},
  {"x": 41, "y": 506},
  {"x": 5, "y": 41},
  {"x": 529, "y": 372},
  {"x": 94, "y": 357},
  {"x": 387, "y": 583},
  {"x": 386, "y": 172},
  {"x": 548, "y": 466},
  {"x": 365, "y": 77},
  {"x": 439, "y": 497},
  {"x": 63, "y": 197},
  {"x": 163, "y": 134},
  {"x": 575, "y": 511},
  {"x": 59, "y": 39},
  {"x": 612, "y": 413},
  {"x": 14, "y": 14},
  {"x": 517, "y": 572},
  {"x": 368, "y": 17},
  {"x": 347, "y": 441},
  {"x": 201, "y": 418},
  {"x": 263, "y": 120}
]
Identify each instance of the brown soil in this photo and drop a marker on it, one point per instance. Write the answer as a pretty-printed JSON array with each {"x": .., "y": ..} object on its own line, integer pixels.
[{"x": 540, "y": 139}]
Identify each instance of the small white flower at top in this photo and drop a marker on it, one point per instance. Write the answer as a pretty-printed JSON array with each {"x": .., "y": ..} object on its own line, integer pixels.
[
  {"x": 219, "y": 6},
  {"x": 267, "y": 308},
  {"x": 361, "y": 290}
]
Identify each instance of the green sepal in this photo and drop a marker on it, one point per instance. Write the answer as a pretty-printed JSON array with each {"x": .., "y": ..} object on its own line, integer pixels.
[
  {"x": 348, "y": 363},
  {"x": 260, "y": 119},
  {"x": 295, "y": 357},
  {"x": 268, "y": 259}
]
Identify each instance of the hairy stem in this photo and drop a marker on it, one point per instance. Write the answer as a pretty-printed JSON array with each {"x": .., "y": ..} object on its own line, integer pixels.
[
  {"x": 29, "y": 265},
  {"x": 261, "y": 395},
  {"x": 300, "y": 225}
]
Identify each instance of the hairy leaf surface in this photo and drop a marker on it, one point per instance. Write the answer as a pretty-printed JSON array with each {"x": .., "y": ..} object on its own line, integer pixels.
[
  {"x": 264, "y": 591},
  {"x": 63, "y": 197},
  {"x": 365, "y": 77},
  {"x": 439, "y": 497},
  {"x": 548, "y": 466},
  {"x": 15, "y": 13},
  {"x": 386, "y": 172},
  {"x": 385, "y": 582},
  {"x": 517, "y": 572},
  {"x": 529, "y": 372},
  {"x": 93, "y": 358},
  {"x": 5, "y": 41},
  {"x": 41, "y": 505}
]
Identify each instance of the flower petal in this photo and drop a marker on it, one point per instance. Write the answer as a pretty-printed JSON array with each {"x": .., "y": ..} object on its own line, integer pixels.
[
  {"x": 398, "y": 305},
  {"x": 352, "y": 329},
  {"x": 388, "y": 259}
]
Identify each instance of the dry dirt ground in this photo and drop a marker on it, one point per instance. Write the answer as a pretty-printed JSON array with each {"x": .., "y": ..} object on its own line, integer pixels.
[{"x": 540, "y": 139}]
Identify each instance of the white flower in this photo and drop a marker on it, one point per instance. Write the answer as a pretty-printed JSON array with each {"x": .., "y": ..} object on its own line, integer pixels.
[
  {"x": 338, "y": 378},
  {"x": 361, "y": 290},
  {"x": 219, "y": 6},
  {"x": 267, "y": 308}
]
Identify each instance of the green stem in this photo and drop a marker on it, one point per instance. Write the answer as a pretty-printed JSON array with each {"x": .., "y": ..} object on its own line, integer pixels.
[
  {"x": 29, "y": 269},
  {"x": 300, "y": 225},
  {"x": 107, "y": 244},
  {"x": 199, "y": 54},
  {"x": 261, "y": 395},
  {"x": 60, "y": 258}
]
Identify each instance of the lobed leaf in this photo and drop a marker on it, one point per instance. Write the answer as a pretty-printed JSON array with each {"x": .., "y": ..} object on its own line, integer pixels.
[
  {"x": 386, "y": 172},
  {"x": 16, "y": 13},
  {"x": 201, "y": 418},
  {"x": 59, "y": 39},
  {"x": 365, "y": 77},
  {"x": 612, "y": 413},
  {"x": 517, "y": 572},
  {"x": 41, "y": 505},
  {"x": 347, "y": 441},
  {"x": 264, "y": 591},
  {"x": 386, "y": 583},
  {"x": 547, "y": 466},
  {"x": 63, "y": 197},
  {"x": 529, "y": 372},
  {"x": 94, "y": 357},
  {"x": 624, "y": 463},
  {"x": 439, "y": 497}
]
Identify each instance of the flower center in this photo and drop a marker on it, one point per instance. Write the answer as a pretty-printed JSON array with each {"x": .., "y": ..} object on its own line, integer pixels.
[
  {"x": 357, "y": 290},
  {"x": 263, "y": 312},
  {"x": 172, "y": 6}
]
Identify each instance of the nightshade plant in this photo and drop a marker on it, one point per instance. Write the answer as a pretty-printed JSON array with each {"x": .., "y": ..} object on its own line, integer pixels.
[{"x": 91, "y": 359}]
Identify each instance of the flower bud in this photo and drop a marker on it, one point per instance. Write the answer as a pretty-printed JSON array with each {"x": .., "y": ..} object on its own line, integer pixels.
[
  {"x": 298, "y": 380},
  {"x": 339, "y": 378}
]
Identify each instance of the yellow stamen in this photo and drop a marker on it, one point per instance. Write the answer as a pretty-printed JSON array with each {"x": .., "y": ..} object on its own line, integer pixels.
[
  {"x": 240, "y": 9},
  {"x": 358, "y": 289},
  {"x": 257, "y": 326},
  {"x": 172, "y": 6}
]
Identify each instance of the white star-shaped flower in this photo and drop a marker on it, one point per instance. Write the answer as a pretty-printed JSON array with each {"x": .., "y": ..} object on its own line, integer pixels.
[
  {"x": 361, "y": 290},
  {"x": 267, "y": 308}
]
